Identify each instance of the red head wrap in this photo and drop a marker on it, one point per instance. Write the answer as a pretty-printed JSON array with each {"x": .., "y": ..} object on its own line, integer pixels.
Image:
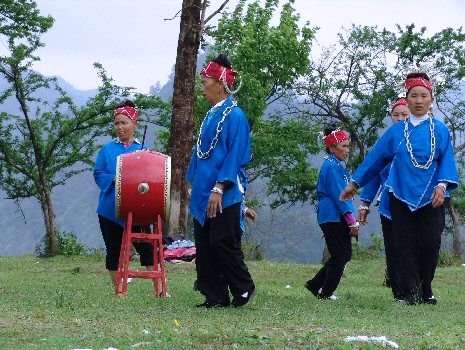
[
  {"x": 129, "y": 112},
  {"x": 401, "y": 101},
  {"x": 412, "y": 82},
  {"x": 218, "y": 72},
  {"x": 335, "y": 137}
]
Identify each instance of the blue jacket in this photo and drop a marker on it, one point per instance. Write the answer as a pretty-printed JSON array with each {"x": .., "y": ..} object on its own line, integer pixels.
[
  {"x": 413, "y": 186},
  {"x": 105, "y": 172},
  {"x": 226, "y": 162},
  {"x": 333, "y": 178},
  {"x": 376, "y": 186}
]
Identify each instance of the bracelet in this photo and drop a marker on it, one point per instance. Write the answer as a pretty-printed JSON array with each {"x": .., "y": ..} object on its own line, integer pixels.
[
  {"x": 354, "y": 186},
  {"x": 364, "y": 207},
  {"x": 442, "y": 188},
  {"x": 217, "y": 190},
  {"x": 357, "y": 224}
]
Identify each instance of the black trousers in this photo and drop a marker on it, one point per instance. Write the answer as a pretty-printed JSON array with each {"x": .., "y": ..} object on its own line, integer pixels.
[
  {"x": 417, "y": 237},
  {"x": 219, "y": 257},
  {"x": 339, "y": 245},
  {"x": 389, "y": 249},
  {"x": 113, "y": 236}
]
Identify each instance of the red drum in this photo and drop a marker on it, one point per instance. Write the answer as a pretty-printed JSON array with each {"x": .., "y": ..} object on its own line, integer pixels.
[{"x": 143, "y": 181}]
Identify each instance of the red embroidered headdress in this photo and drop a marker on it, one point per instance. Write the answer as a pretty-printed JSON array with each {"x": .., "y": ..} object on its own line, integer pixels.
[
  {"x": 128, "y": 111},
  {"x": 412, "y": 82},
  {"x": 335, "y": 137},
  {"x": 218, "y": 72},
  {"x": 401, "y": 101}
]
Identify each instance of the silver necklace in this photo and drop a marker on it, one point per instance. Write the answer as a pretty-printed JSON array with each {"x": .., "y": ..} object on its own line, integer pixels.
[
  {"x": 219, "y": 128},
  {"x": 409, "y": 145}
]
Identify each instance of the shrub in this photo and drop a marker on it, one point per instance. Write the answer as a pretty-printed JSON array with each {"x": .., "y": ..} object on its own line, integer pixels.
[
  {"x": 253, "y": 251},
  {"x": 447, "y": 259},
  {"x": 68, "y": 244},
  {"x": 373, "y": 251}
]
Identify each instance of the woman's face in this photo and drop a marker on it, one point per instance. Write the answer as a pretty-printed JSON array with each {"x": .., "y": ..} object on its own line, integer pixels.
[
  {"x": 124, "y": 127},
  {"x": 399, "y": 113},
  {"x": 211, "y": 89},
  {"x": 419, "y": 100},
  {"x": 340, "y": 150}
]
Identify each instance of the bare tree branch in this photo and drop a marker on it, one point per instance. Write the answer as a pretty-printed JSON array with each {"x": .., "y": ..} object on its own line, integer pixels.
[
  {"x": 216, "y": 12},
  {"x": 170, "y": 19}
]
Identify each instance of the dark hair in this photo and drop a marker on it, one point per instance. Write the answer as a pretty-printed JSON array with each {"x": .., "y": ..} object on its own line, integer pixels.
[
  {"x": 125, "y": 103},
  {"x": 418, "y": 75},
  {"x": 223, "y": 61},
  {"x": 328, "y": 130}
]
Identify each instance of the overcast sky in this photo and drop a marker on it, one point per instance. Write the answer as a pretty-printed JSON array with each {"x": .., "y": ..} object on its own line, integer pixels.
[{"x": 138, "y": 47}]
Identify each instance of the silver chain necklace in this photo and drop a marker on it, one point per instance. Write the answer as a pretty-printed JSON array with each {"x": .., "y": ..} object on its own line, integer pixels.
[
  {"x": 409, "y": 145},
  {"x": 219, "y": 128}
]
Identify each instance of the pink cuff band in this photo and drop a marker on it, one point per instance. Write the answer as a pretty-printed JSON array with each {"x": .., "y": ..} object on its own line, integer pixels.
[{"x": 350, "y": 218}]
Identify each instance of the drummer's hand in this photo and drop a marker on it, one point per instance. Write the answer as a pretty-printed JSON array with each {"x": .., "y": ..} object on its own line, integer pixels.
[
  {"x": 437, "y": 199},
  {"x": 347, "y": 193}
]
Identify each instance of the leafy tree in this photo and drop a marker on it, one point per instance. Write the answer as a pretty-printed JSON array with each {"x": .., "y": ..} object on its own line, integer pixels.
[
  {"x": 271, "y": 60},
  {"x": 48, "y": 141},
  {"x": 352, "y": 81}
]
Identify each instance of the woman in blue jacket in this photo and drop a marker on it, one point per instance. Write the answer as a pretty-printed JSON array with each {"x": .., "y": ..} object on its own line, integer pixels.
[
  {"x": 421, "y": 174},
  {"x": 336, "y": 219}
]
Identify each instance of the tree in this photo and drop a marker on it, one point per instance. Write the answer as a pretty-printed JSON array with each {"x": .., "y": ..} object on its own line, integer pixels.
[
  {"x": 192, "y": 25},
  {"x": 271, "y": 59},
  {"x": 182, "y": 121},
  {"x": 352, "y": 81},
  {"x": 48, "y": 141}
]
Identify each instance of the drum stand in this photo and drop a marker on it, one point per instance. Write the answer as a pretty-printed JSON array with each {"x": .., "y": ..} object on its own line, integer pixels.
[{"x": 158, "y": 275}]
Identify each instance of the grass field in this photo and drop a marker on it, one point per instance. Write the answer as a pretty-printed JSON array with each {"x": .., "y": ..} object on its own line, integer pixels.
[{"x": 67, "y": 303}]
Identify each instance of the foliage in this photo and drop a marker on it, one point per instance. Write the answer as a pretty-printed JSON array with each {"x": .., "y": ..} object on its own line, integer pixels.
[
  {"x": 252, "y": 251},
  {"x": 50, "y": 139},
  {"x": 352, "y": 81},
  {"x": 78, "y": 310},
  {"x": 270, "y": 59},
  {"x": 68, "y": 243},
  {"x": 447, "y": 258},
  {"x": 372, "y": 251}
]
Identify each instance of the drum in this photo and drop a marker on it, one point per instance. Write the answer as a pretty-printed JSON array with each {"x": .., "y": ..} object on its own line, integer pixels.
[{"x": 143, "y": 181}]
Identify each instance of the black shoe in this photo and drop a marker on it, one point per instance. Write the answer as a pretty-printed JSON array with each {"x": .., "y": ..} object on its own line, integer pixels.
[
  {"x": 209, "y": 304},
  {"x": 311, "y": 288},
  {"x": 239, "y": 300},
  {"x": 431, "y": 300}
]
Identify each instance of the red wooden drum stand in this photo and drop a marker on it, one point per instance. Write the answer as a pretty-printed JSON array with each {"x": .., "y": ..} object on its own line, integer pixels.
[
  {"x": 142, "y": 198},
  {"x": 158, "y": 274}
]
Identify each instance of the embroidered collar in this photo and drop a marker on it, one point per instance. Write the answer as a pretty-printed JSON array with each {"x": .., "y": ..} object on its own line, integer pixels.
[
  {"x": 136, "y": 140},
  {"x": 332, "y": 158}
]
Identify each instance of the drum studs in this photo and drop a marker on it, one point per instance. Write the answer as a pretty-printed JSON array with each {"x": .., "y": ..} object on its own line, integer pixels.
[{"x": 143, "y": 188}]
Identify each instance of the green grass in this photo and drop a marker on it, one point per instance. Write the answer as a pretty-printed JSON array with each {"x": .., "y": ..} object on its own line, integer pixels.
[{"x": 67, "y": 303}]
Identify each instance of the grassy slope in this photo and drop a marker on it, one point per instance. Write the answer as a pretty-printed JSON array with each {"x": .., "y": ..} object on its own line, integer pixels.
[{"x": 66, "y": 303}]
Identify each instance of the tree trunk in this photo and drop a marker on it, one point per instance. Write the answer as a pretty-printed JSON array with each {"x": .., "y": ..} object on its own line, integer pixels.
[
  {"x": 50, "y": 221},
  {"x": 456, "y": 229},
  {"x": 182, "y": 120}
]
